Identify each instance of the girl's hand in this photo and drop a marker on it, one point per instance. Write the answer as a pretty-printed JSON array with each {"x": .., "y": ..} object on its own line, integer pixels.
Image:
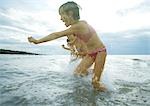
[
  {"x": 63, "y": 46},
  {"x": 32, "y": 40}
]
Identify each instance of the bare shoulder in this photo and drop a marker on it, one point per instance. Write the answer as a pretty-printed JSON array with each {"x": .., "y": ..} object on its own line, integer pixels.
[{"x": 80, "y": 26}]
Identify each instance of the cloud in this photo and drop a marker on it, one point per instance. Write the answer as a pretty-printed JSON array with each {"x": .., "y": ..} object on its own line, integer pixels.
[
  {"x": 119, "y": 18},
  {"x": 35, "y": 18},
  {"x": 34, "y": 21},
  {"x": 127, "y": 42},
  {"x": 142, "y": 6},
  {"x": 134, "y": 16},
  {"x": 42, "y": 17},
  {"x": 110, "y": 16},
  {"x": 24, "y": 22}
]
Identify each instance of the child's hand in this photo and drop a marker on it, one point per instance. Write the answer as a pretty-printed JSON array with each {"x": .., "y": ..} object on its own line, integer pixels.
[
  {"x": 63, "y": 45},
  {"x": 32, "y": 40}
]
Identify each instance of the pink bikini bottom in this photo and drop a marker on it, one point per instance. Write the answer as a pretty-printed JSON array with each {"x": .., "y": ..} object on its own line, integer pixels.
[{"x": 93, "y": 54}]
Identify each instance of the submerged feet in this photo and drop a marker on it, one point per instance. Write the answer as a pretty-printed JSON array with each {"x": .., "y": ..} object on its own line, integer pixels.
[
  {"x": 82, "y": 74},
  {"x": 95, "y": 82},
  {"x": 98, "y": 86}
]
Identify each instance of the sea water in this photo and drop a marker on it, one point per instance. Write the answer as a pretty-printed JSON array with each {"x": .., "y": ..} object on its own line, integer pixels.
[{"x": 48, "y": 80}]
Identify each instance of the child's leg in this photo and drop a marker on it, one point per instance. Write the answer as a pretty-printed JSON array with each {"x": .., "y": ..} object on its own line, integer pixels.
[
  {"x": 98, "y": 69},
  {"x": 86, "y": 62},
  {"x": 86, "y": 65}
]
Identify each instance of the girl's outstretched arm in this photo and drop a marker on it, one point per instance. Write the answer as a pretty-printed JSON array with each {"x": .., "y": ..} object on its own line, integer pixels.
[
  {"x": 53, "y": 36},
  {"x": 46, "y": 38}
]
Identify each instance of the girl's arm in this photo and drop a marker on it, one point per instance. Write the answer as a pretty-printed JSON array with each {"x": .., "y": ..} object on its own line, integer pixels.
[
  {"x": 54, "y": 36},
  {"x": 71, "y": 42},
  {"x": 66, "y": 48},
  {"x": 81, "y": 53}
]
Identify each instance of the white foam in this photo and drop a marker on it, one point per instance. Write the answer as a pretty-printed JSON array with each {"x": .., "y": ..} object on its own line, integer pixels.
[
  {"x": 72, "y": 65},
  {"x": 107, "y": 80}
]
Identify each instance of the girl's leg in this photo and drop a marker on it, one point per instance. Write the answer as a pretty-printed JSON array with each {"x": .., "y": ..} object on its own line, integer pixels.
[
  {"x": 98, "y": 69},
  {"x": 86, "y": 62}
]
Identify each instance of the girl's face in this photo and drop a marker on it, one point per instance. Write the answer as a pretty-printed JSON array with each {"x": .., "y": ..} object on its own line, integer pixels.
[{"x": 65, "y": 18}]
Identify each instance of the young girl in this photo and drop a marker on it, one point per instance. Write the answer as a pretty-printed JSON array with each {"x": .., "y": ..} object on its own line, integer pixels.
[
  {"x": 76, "y": 46},
  {"x": 71, "y": 47},
  {"x": 96, "y": 51},
  {"x": 78, "y": 50}
]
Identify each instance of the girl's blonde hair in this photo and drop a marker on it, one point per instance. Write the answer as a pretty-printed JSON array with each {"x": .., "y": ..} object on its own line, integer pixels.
[{"x": 71, "y": 6}]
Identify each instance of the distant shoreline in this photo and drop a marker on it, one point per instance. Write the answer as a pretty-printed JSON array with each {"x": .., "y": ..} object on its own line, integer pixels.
[{"x": 5, "y": 51}]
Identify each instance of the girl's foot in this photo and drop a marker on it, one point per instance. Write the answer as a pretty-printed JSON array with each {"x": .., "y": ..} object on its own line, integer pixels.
[
  {"x": 97, "y": 86},
  {"x": 76, "y": 72},
  {"x": 83, "y": 74}
]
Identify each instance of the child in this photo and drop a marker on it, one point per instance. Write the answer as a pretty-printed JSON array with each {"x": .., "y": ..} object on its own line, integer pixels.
[
  {"x": 76, "y": 46},
  {"x": 78, "y": 50},
  {"x": 96, "y": 51},
  {"x": 71, "y": 47}
]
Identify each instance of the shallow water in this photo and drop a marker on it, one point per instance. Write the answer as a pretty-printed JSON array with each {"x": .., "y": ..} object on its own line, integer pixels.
[{"x": 48, "y": 80}]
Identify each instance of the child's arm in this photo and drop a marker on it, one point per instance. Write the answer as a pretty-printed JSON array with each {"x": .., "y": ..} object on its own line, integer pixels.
[
  {"x": 46, "y": 38},
  {"x": 81, "y": 53},
  {"x": 66, "y": 47},
  {"x": 72, "y": 42},
  {"x": 54, "y": 36}
]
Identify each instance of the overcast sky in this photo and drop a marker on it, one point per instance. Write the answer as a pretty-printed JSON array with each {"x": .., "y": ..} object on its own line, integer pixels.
[{"x": 21, "y": 18}]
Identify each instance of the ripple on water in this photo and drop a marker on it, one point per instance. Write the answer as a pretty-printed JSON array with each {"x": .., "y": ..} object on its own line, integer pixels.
[{"x": 26, "y": 86}]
